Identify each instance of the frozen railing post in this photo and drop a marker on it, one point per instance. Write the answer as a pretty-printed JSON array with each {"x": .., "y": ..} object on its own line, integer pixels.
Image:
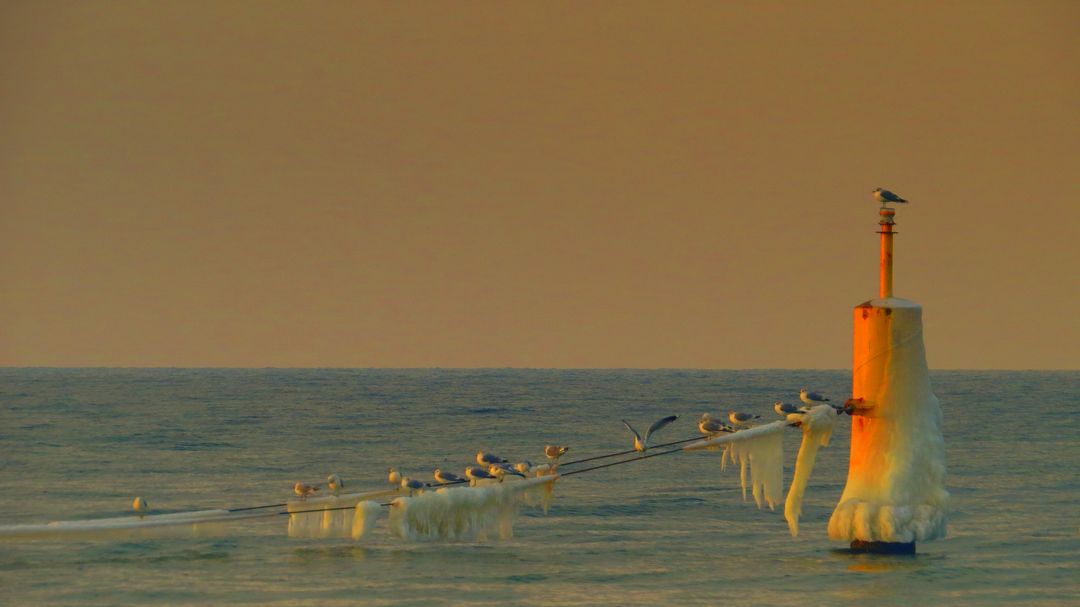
[{"x": 895, "y": 493}]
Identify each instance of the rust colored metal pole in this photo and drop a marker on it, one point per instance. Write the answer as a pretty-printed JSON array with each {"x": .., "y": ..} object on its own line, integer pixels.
[{"x": 885, "y": 285}]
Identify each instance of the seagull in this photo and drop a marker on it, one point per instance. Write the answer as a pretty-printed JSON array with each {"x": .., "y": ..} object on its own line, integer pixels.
[
  {"x": 784, "y": 409},
  {"x": 501, "y": 470},
  {"x": 447, "y": 478},
  {"x": 475, "y": 474},
  {"x": 738, "y": 418},
  {"x": 641, "y": 444},
  {"x": 488, "y": 458},
  {"x": 885, "y": 196},
  {"x": 411, "y": 485},
  {"x": 554, "y": 452},
  {"x": 334, "y": 483},
  {"x": 811, "y": 398},
  {"x": 712, "y": 427},
  {"x": 524, "y": 467},
  {"x": 303, "y": 491},
  {"x": 393, "y": 476},
  {"x": 140, "y": 505}
]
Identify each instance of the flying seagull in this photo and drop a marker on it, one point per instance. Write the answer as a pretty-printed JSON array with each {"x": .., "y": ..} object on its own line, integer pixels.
[
  {"x": 885, "y": 196},
  {"x": 641, "y": 444}
]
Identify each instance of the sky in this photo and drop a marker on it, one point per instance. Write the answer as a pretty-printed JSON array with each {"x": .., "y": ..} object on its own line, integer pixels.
[{"x": 548, "y": 184}]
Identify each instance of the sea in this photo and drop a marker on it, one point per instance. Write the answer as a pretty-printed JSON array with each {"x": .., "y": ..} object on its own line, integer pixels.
[{"x": 675, "y": 530}]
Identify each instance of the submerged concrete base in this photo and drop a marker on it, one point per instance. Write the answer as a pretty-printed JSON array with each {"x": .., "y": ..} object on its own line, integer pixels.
[{"x": 882, "y": 547}]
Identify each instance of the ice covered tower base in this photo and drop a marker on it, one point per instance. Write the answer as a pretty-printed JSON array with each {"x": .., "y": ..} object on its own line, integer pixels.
[{"x": 895, "y": 494}]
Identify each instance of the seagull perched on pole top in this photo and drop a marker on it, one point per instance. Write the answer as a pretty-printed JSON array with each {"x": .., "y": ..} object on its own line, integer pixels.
[{"x": 885, "y": 196}]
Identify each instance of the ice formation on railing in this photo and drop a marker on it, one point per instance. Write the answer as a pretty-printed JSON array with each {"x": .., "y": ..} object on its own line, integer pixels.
[
  {"x": 759, "y": 450},
  {"x": 817, "y": 428},
  {"x": 197, "y": 523},
  {"x": 464, "y": 513},
  {"x": 333, "y": 516}
]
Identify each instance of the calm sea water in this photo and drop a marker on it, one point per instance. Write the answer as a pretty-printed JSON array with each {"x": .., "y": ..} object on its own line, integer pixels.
[{"x": 81, "y": 443}]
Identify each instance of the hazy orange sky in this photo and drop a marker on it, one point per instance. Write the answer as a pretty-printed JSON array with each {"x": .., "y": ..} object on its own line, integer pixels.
[{"x": 490, "y": 184}]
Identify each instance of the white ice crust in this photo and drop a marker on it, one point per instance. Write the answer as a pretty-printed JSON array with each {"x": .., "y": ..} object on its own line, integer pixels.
[{"x": 895, "y": 488}]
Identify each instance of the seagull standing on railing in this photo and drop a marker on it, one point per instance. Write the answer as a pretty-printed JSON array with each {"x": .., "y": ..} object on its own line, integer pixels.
[
  {"x": 525, "y": 467},
  {"x": 447, "y": 478},
  {"x": 501, "y": 470},
  {"x": 739, "y": 418},
  {"x": 885, "y": 196},
  {"x": 393, "y": 477},
  {"x": 712, "y": 427},
  {"x": 334, "y": 483},
  {"x": 812, "y": 398},
  {"x": 475, "y": 475},
  {"x": 411, "y": 485},
  {"x": 303, "y": 491},
  {"x": 641, "y": 444},
  {"x": 485, "y": 459},
  {"x": 140, "y": 506},
  {"x": 554, "y": 452},
  {"x": 785, "y": 409}
]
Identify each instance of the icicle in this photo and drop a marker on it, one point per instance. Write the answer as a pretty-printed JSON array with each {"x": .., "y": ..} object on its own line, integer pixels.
[
  {"x": 817, "y": 427},
  {"x": 366, "y": 514},
  {"x": 763, "y": 457},
  {"x": 327, "y": 520},
  {"x": 545, "y": 494},
  {"x": 759, "y": 450},
  {"x": 462, "y": 512},
  {"x": 329, "y": 516}
]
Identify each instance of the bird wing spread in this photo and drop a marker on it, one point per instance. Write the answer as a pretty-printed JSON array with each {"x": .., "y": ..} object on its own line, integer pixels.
[{"x": 659, "y": 424}]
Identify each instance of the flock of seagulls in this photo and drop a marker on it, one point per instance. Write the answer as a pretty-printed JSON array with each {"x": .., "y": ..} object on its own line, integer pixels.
[{"x": 491, "y": 467}]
